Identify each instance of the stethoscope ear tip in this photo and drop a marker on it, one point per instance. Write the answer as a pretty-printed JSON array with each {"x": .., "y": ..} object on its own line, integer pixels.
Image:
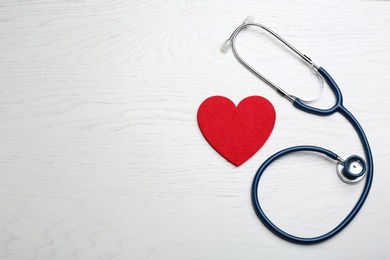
[
  {"x": 249, "y": 19},
  {"x": 226, "y": 45}
]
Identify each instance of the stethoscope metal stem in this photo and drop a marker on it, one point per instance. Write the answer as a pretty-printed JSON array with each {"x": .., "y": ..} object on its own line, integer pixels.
[
  {"x": 300, "y": 54},
  {"x": 231, "y": 41}
]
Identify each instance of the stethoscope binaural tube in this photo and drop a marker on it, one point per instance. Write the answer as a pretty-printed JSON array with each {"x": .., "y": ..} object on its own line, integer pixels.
[{"x": 351, "y": 169}]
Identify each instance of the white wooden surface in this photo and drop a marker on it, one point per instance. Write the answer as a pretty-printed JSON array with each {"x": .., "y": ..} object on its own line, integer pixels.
[{"x": 101, "y": 156}]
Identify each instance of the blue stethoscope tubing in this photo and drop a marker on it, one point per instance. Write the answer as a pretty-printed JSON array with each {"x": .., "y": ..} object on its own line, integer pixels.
[{"x": 369, "y": 165}]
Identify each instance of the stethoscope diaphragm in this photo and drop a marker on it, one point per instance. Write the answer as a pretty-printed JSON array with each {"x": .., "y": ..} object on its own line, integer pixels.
[{"x": 351, "y": 169}]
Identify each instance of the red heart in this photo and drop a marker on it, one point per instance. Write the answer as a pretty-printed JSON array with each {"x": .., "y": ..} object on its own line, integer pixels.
[{"x": 237, "y": 133}]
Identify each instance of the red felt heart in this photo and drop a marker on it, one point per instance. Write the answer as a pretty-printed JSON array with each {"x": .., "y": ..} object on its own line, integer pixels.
[{"x": 237, "y": 133}]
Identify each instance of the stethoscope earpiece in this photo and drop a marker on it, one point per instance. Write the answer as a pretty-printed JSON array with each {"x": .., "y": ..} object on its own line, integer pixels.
[{"x": 249, "y": 19}]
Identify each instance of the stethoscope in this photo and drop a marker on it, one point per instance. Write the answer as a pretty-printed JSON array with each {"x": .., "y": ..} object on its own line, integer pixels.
[{"x": 351, "y": 168}]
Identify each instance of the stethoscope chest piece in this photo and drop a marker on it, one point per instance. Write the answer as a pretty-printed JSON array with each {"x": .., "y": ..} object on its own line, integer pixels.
[{"x": 351, "y": 169}]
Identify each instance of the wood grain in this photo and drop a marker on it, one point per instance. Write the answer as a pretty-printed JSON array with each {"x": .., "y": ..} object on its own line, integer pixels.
[{"x": 101, "y": 156}]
